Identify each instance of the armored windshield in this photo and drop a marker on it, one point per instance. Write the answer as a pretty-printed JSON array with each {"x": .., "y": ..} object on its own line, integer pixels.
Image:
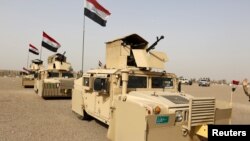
[
  {"x": 162, "y": 82},
  {"x": 137, "y": 82},
  {"x": 67, "y": 75},
  {"x": 53, "y": 74}
]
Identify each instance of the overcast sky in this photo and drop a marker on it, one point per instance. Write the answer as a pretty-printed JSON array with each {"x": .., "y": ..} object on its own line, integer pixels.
[{"x": 203, "y": 38}]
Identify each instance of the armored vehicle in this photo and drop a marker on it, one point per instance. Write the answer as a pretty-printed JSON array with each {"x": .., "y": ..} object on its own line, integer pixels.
[
  {"x": 29, "y": 78},
  {"x": 139, "y": 100},
  {"x": 57, "y": 80}
]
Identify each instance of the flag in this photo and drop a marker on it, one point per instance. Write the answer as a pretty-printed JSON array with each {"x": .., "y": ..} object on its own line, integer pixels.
[
  {"x": 235, "y": 82},
  {"x": 96, "y": 12},
  {"x": 26, "y": 70},
  {"x": 50, "y": 43},
  {"x": 33, "y": 49}
]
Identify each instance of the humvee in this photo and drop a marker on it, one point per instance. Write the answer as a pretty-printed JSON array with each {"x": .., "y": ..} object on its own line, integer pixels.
[
  {"x": 35, "y": 66},
  {"x": 57, "y": 80},
  {"x": 139, "y": 100}
]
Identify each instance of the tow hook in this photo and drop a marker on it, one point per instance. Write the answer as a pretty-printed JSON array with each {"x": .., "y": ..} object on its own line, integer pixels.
[{"x": 184, "y": 132}]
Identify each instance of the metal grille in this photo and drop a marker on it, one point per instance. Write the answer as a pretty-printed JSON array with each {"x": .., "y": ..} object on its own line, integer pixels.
[
  {"x": 50, "y": 89},
  {"x": 67, "y": 84},
  {"x": 176, "y": 99},
  {"x": 201, "y": 111}
]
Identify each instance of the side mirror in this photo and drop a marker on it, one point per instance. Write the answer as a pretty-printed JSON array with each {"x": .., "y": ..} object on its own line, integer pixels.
[
  {"x": 99, "y": 84},
  {"x": 179, "y": 87}
]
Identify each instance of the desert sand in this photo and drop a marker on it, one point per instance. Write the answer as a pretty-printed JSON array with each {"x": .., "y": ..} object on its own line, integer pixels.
[{"x": 26, "y": 116}]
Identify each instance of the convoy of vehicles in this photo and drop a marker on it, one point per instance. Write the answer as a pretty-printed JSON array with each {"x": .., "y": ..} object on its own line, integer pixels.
[
  {"x": 57, "y": 80},
  {"x": 139, "y": 100}
]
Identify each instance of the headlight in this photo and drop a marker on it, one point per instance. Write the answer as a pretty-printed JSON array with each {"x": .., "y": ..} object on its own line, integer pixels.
[
  {"x": 178, "y": 116},
  {"x": 157, "y": 110}
]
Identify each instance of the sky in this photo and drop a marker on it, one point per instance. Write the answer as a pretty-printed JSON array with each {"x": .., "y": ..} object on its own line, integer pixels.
[{"x": 203, "y": 38}]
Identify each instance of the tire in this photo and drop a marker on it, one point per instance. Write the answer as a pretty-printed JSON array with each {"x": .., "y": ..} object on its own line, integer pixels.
[{"x": 85, "y": 116}]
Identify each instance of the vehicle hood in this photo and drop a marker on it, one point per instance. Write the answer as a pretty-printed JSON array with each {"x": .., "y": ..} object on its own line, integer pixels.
[{"x": 167, "y": 100}]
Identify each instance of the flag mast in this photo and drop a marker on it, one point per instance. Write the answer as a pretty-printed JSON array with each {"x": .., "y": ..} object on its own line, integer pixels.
[
  {"x": 41, "y": 53},
  {"x": 28, "y": 59},
  {"x": 83, "y": 37}
]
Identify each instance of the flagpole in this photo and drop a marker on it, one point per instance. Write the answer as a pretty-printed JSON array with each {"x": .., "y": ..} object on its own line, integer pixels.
[
  {"x": 41, "y": 53},
  {"x": 83, "y": 36},
  {"x": 28, "y": 59}
]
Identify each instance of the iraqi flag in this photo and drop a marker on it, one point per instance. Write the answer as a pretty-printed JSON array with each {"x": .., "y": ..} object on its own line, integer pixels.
[
  {"x": 234, "y": 83},
  {"x": 50, "y": 43},
  {"x": 96, "y": 12},
  {"x": 26, "y": 70},
  {"x": 33, "y": 49}
]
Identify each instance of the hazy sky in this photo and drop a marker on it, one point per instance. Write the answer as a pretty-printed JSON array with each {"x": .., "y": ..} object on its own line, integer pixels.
[{"x": 203, "y": 38}]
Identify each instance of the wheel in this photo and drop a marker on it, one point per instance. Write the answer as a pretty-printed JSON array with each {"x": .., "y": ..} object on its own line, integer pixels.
[{"x": 85, "y": 116}]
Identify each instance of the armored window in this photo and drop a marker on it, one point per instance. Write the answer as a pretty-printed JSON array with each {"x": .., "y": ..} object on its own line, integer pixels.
[
  {"x": 36, "y": 75},
  {"x": 137, "y": 82},
  {"x": 67, "y": 74},
  {"x": 162, "y": 82},
  {"x": 53, "y": 74},
  {"x": 85, "y": 81},
  {"x": 100, "y": 84}
]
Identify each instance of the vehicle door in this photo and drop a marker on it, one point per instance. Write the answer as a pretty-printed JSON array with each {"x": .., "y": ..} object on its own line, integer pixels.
[{"x": 102, "y": 96}]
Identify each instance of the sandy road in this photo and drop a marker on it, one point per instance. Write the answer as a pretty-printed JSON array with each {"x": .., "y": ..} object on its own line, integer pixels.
[{"x": 24, "y": 116}]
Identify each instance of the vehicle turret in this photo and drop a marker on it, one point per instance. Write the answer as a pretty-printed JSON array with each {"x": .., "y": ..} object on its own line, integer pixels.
[
  {"x": 36, "y": 65},
  {"x": 58, "y": 62},
  {"x": 132, "y": 51}
]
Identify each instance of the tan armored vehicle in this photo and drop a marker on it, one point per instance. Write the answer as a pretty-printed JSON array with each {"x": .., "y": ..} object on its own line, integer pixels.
[
  {"x": 57, "y": 80},
  {"x": 139, "y": 100},
  {"x": 35, "y": 66}
]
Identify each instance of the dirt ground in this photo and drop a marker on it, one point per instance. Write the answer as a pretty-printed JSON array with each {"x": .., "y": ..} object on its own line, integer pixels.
[{"x": 24, "y": 116}]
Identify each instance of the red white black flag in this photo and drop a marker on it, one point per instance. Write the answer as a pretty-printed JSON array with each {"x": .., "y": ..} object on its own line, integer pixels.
[
  {"x": 26, "y": 70},
  {"x": 234, "y": 83},
  {"x": 33, "y": 49},
  {"x": 96, "y": 12},
  {"x": 50, "y": 43}
]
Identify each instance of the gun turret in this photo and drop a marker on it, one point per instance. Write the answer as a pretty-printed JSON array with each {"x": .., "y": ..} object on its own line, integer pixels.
[
  {"x": 61, "y": 57},
  {"x": 58, "y": 62},
  {"x": 155, "y": 43}
]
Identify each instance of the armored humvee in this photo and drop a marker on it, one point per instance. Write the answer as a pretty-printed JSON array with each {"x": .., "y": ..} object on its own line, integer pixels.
[
  {"x": 57, "y": 80},
  {"x": 139, "y": 100},
  {"x": 35, "y": 66}
]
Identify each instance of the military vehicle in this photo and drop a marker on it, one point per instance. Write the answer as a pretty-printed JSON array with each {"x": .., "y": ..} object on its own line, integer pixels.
[
  {"x": 139, "y": 100},
  {"x": 57, "y": 80},
  {"x": 29, "y": 78}
]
